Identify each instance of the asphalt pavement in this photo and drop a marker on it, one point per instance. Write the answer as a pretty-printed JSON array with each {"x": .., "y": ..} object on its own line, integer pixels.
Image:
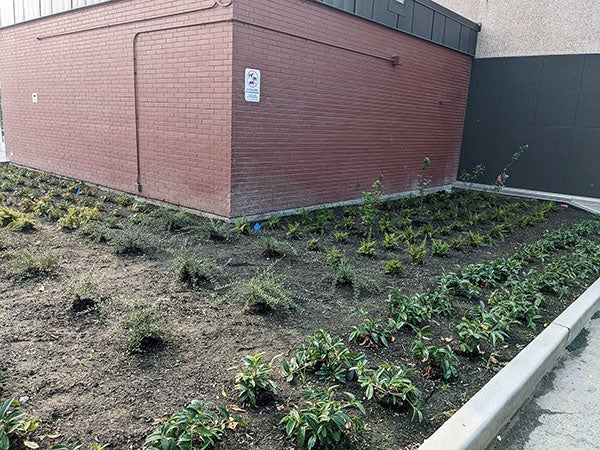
[{"x": 564, "y": 412}]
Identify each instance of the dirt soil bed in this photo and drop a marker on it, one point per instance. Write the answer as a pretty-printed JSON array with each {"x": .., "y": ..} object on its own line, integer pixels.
[{"x": 72, "y": 364}]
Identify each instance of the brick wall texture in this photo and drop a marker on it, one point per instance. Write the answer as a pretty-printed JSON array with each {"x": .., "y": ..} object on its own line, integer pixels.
[{"x": 153, "y": 92}]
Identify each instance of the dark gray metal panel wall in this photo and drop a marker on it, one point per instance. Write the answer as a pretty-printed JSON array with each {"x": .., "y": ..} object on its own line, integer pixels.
[
  {"x": 422, "y": 18},
  {"x": 550, "y": 103}
]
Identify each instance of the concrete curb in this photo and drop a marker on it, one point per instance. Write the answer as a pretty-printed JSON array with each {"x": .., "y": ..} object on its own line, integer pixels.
[
  {"x": 477, "y": 423},
  {"x": 586, "y": 203}
]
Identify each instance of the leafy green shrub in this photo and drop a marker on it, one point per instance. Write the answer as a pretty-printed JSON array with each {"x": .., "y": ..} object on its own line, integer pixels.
[
  {"x": 77, "y": 216},
  {"x": 406, "y": 309},
  {"x": 96, "y": 232},
  {"x": 28, "y": 264},
  {"x": 273, "y": 222},
  {"x": 194, "y": 271},
  {"x": 393, "y": 267},
  {"x": 323, "y": 422},
  {"x": 145, "y": 328},
  {"x": 391, "y": 385},
  {"x": 326, "y": 356},
  {"x": 369, "y": 209},
  {"x": 217, "y": 230},
  {"x": 254, "y": 382},
  {"x": 131, "y": 240},
  {"x": 390, "y": 241},
  {"x": 370, "y": 333},
  {"x": 313, "y": 245},
  {"x": 367, "y": 247},
  {"x": 417, "y": 253},
  {"x": 125, "y": 201},
  {"x": 358, "y": 280},
  {"x": 482, "y": 326},
  {"x": 265, "y": 291},
  {"x": 242, "y": 226},
  {"x": 15, "y": 220},
  {"x": 200, "y": 426},
  {"x": 340, "y": 236},
  {"x": 334, "y": 257},
  {"x": 172, "y": 220},
  {"x": 442, "y": 358},
  {"x": 14, "y": 424},
  {"x": 294, "y": 231},
  {"x": 475, "y": 239},
  {"x": 274, "y": 248},
  {"x": 439, "y": 247}
]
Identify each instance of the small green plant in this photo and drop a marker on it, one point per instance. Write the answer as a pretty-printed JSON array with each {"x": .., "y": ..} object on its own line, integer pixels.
[
  {"x": 14, "y": 424},
  {"x": 303, "y": 217},
  {"x": 390, "y": 241},
  {"x": 242, "y": 226},
  {"x": 293, "y": 230},
  {"x": 254, "y": 382},
  {"x": 15, "y": 220},
  {"x": 441, "y": 358},
  {"x": 394, "y": 267},
  {"x": 192, "y": 270},
  {"x": 343, "y": 274},
  {"x": 340, "y": 236},
  {"x": 324, "y": 421},
  {"x": 265, "y": 291},
  {"x": 367, "y": 247},
  {"x": 475, "y": 239},
  {"x": 439, "y": 247},
  {"x": 82, "y": 294},
  {"x": 172, "y": 220},
  {"x": 145, "y": 328},
  {"x": 334, "y": 257},
  {"x": 96, "y": 232},
  {"x": 391, "y": 385},
  {"x": 424, "y": 180},
  {"x": 369, "y": 209},
  {"x": 125, "y": 201},
  {"x": 457, "y": 242},
  {"x": 199, "y": 426},
  {"x": 274, "y": 248},
  {"x": 131, "y": 240},
  {"x": 217, "y": 230},
  {"x": 313, "y": 245},
  {"x": 483, "y": 325},
  {"x": 326, "y": 356},
  {"x": 417, "y": 253},
  {"x": 77, "y": 216},
  {"x": 273, "y": 222},
  {"x": 406, "y": 309},
  {"x": 370, "y": 333},
  {"x": 28, "y": 264}
]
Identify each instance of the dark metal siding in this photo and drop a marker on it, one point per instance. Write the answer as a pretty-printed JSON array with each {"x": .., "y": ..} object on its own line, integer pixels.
[
  {"x": 552, "y": 104},
  {"x": 422, "y": 18}
]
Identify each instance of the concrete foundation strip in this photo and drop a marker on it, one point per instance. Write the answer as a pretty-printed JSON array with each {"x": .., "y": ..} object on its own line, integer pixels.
[{"x": 477, "y": 423}]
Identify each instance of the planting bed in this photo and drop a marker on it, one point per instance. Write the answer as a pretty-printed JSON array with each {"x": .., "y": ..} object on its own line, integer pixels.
[{"x": 116, "y": 314}]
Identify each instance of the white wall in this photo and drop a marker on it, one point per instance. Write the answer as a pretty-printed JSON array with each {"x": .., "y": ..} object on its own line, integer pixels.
[
  {"x": 532, "y": 27},
  {"x": 15, "y": 11}
]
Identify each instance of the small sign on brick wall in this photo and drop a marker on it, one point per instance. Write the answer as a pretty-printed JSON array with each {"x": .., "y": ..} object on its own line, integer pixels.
[{"x": 252, "y": 85}]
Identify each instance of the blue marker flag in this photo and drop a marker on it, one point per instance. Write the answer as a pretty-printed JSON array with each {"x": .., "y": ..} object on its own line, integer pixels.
[{"x": 256, "y": 226}]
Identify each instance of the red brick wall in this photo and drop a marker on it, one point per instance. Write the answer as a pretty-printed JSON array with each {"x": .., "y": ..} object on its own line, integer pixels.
[
  {"x": 331, "y": 120},
  {"x": 84, "y": 123}
]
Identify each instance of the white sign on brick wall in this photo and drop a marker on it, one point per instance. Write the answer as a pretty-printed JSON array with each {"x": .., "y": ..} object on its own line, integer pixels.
[{"x": 252, "y": 85}]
